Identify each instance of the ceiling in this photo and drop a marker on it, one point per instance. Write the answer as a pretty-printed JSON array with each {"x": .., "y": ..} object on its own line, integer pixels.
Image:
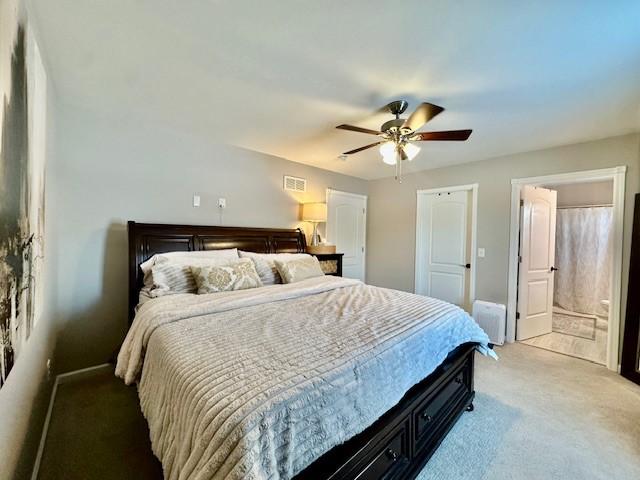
[{"x": 277, "y": 77}]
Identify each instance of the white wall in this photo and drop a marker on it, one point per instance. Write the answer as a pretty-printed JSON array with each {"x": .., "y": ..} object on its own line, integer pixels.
[
  {"x": 110, "y": 171},
  {"x": 391, "y": 227}
]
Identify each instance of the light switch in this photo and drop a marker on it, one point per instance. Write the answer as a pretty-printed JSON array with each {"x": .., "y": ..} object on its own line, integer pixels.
[
  {"x": 222, "y": 203},
  {"x": 481, "y": 253},
  {"x": 196, "y": 200}
]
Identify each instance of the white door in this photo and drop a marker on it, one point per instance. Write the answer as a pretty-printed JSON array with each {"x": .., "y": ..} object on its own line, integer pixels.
[
  {"x": 346, "y": 228},
  {"x": 443, "y": 266},
  {"x": 537, "y": 255}
]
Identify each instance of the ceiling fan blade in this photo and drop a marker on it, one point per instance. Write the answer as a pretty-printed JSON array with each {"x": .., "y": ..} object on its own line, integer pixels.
[
  {"x": 353, "y": 128},
  {"x": 361, "y": 148},
  {"x": 425, "y": 112},
  {"x": 447, "y": 135}
]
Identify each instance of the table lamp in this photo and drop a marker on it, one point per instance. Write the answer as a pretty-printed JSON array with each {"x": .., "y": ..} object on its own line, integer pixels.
[{"x": 314, "y": 213}]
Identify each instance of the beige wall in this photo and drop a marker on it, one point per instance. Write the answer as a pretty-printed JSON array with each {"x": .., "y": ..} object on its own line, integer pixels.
[
  {"x": 392, "y": 209},
  {"x": 111, "y": 171},
  {"x": 581, "y": 194}
]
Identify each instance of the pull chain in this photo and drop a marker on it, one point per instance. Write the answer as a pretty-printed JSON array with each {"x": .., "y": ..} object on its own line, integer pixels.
[{"x": 396, "y": 170}]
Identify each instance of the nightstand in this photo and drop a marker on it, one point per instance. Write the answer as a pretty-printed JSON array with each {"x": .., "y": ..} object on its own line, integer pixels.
[{"x": 330, "y": 263}]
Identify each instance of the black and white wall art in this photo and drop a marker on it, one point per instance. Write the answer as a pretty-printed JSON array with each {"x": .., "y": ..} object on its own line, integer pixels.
[{"x": 22, "y": 174}]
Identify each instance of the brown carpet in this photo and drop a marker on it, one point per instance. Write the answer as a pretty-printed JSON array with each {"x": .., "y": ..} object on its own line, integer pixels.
[{"x": 98, "y": 432}]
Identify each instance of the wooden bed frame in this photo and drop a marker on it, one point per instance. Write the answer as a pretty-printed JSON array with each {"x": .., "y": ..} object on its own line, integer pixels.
[{"x": 399, "y": 444}]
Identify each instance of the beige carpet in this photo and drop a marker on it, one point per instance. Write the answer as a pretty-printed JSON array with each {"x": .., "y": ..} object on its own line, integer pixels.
[{"x": 539, "y": 415}]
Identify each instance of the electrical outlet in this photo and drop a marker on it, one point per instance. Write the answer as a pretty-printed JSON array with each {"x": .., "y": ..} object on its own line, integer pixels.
[
  {"x": 481, "y": 253},
  {"x": 222, "y": 203},
  {"x": 196, "y": 200}
]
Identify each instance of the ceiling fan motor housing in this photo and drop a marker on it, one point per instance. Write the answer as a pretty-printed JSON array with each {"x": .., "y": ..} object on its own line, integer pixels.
[{"x": 395, "y": 126}]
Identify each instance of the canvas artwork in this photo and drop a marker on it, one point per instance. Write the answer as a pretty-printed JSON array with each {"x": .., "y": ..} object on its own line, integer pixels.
[{"x": 22, "y": 169}]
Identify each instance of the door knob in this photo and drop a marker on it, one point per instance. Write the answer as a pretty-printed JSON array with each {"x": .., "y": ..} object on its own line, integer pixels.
[
  {"x": 467, "y": 265},
  {"x": 553, "y": 269}
]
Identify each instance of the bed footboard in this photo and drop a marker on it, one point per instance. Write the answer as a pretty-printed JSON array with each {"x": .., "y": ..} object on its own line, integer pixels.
[{"x": 400, "y": 443}]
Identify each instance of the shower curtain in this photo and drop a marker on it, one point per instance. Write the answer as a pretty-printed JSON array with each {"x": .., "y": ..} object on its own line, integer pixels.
[{"x": 583, "y": 258}]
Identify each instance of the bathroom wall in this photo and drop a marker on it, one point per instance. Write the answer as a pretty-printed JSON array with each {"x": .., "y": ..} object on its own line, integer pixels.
[{"x": 579, "y": 194}]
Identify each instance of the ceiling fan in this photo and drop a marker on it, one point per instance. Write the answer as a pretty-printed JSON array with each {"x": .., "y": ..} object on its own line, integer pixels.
[{"x": 397, "y": 134}]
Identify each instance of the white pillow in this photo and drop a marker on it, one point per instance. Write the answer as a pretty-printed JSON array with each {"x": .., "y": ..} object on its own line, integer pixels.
[
  {"x": 226, "y": 254},
  {"x": 299, "y": 269},
  {"x": 265, "y": 264},
  {"x": 169, "y": 278}
]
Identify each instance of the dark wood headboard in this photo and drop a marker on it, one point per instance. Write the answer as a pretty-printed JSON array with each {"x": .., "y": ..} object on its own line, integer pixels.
[{"x": 147, "y": 239}]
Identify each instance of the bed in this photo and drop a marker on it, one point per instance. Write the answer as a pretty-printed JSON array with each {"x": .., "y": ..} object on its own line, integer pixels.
[{"x": 365, "y": 386}]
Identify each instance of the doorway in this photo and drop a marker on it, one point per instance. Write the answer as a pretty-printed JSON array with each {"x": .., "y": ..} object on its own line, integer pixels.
[
  {"x": 347, "y": 228},
  {"x": 576, "y": 268},
  {"x": 565, "y": 263},
  {"x": 446, "y": 221}
]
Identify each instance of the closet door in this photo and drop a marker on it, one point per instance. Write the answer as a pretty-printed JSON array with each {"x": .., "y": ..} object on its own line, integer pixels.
[
  {"x": 630, "y": 367},
  {"x": 443, "y": 246}
]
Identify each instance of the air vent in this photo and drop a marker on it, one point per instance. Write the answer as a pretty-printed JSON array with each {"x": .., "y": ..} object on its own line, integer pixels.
[{"x": 295, "y": 184}]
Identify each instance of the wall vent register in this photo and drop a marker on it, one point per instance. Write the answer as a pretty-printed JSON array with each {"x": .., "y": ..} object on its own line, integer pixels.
[{"x": 295, "y": 184}]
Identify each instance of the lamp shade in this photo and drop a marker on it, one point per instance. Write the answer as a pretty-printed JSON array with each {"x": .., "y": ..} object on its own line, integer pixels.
[{"x": 314, "y": 212}]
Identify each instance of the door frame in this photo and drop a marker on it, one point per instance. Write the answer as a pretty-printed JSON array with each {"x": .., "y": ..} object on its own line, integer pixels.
[
  {"x": 421, "y": 235},
  {"x": 617, "y": 175},
  {"x": 364, "y": 232}
]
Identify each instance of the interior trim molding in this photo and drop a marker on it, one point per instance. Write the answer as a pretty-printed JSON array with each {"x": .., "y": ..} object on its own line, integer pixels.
[
  {"x": 61, "y": 379},
  {"x": 421, "y": 238},
  {"x": 572, "y": 177},
  {"x": 348, "y": 194},
  {"x": 617, "y": 175}
]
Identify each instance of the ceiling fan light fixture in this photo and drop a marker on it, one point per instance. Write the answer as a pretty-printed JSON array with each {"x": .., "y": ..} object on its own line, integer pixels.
[
  {"x": 395, "y": 136},
  {"x": 389, "y": 153},
  {"x": 411, "y": 150}
]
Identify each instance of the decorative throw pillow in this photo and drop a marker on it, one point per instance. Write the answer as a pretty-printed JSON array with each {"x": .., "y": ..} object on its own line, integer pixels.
[
  {"x": 239, "y": 275},
  {"x": 299, "y": 269},
  {"x": 265, "y": 265}
]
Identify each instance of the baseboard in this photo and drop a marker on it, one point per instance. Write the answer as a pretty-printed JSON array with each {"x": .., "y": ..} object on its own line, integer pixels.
[
  {"x": 45, "y": 429},
  {"x": 61, "y": 379},
  {"x": 83, "y": 373}
]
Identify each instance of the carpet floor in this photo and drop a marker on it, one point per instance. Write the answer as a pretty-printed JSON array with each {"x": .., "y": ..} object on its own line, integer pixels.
[{"x": 538, "y": 415}]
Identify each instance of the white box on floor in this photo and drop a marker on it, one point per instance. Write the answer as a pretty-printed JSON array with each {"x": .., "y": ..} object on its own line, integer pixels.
[{"x": 492, "y": 318}]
